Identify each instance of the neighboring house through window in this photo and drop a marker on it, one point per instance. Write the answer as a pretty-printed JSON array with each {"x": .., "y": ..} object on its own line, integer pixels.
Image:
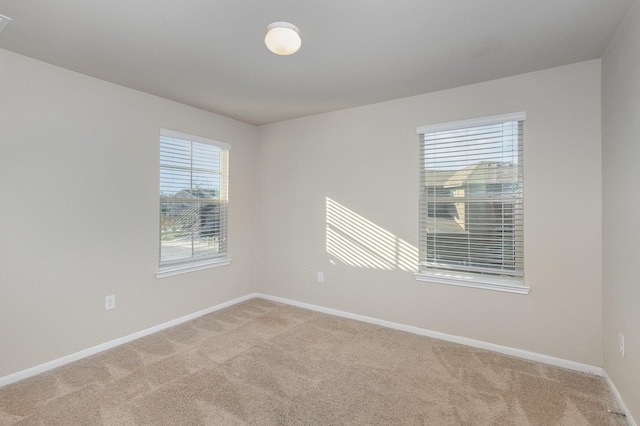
[
  {"x": 193, "y": 203},
  {"x": 471, "y": 209}
]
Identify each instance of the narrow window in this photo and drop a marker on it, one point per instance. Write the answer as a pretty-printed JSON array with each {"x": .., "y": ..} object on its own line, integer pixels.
[
  {"x": 193, "y": 203},
  {"x": 471, "y": 210}
]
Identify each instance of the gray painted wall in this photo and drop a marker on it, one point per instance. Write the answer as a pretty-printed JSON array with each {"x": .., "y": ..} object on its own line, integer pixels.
[
  {"x": 355, "y": 173},
  {"x": 620, "y": 203},
  {"x": 79, "y": 172}
]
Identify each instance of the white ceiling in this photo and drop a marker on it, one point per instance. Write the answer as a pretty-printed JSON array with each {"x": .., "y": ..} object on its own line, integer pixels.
[{"x": 210, "y": 53}]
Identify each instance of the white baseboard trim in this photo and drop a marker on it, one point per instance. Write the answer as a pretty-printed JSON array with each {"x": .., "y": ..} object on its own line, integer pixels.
[
  {"x": 558, "y": 362},
  {"x": 20, "y": 375},
  {"x": 619, "y": 400},
  {"x": 532, "y": 356}
]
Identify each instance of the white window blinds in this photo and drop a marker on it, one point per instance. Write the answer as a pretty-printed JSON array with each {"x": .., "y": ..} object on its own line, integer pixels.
[
  {"x": 193, "y": 198},
  {"x": 471, "y": 210}
]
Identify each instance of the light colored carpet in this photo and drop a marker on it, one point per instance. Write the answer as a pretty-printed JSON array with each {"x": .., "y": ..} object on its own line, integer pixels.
[{"x": 264, "y": 363}]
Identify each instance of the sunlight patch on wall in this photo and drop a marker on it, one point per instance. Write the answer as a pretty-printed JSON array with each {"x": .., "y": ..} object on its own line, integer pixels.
[
  {"x": 356, "y": 241},
  {"x": 407, "y": 256}
]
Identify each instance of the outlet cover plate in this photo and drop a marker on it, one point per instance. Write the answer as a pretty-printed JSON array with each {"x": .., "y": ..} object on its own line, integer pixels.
[
  {"x": 109, "y": 302},
  {"x": 621, "y": 344}
]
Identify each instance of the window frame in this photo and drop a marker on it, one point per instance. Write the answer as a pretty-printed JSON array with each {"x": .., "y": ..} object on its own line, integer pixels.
[
  {"x": 196, "y": 263},
  {"x": 466, "y": 278}
]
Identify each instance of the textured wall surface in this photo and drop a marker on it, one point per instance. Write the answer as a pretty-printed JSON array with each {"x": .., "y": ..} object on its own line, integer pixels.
[
  {"x": 621, "y": 201},
  {"x": 338, "y": 193},
  {"x": 80, "y": 212}
]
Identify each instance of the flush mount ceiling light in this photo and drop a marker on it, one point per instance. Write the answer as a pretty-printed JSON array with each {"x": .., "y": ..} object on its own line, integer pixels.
[
  {"x": 4, "y": 20},
  {"x": 282, "y": 38}
]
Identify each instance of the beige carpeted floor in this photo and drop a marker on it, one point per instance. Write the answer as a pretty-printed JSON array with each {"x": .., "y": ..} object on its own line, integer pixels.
[{"x": 263, "y": 363}]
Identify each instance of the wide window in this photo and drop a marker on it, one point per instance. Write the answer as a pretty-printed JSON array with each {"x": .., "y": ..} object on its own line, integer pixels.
[
  {"x": 471, "y": 210},
  {"x": 193, "y": 203}
]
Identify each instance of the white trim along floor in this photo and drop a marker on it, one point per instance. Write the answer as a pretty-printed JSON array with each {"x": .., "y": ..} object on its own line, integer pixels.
[{"x": 532, "y": 356}]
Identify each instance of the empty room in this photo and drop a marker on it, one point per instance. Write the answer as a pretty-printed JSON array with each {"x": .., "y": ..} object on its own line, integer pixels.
[{"x": 319, "y": 213}]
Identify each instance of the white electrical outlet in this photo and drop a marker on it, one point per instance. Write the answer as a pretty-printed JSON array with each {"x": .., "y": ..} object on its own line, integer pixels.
[
  {"x": 109, "y": 302},
  {"x": 621, "y": 344},
  {"x": 320, "y": 277}
]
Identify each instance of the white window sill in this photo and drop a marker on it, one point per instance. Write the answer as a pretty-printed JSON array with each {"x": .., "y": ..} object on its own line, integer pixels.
[
  {"x": 487, "y": 283},
  {"x": 167, "y": 271}
]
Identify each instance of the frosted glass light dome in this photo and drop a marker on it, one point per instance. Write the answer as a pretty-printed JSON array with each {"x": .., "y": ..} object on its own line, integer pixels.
[{"x": 283, "y": 38}]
